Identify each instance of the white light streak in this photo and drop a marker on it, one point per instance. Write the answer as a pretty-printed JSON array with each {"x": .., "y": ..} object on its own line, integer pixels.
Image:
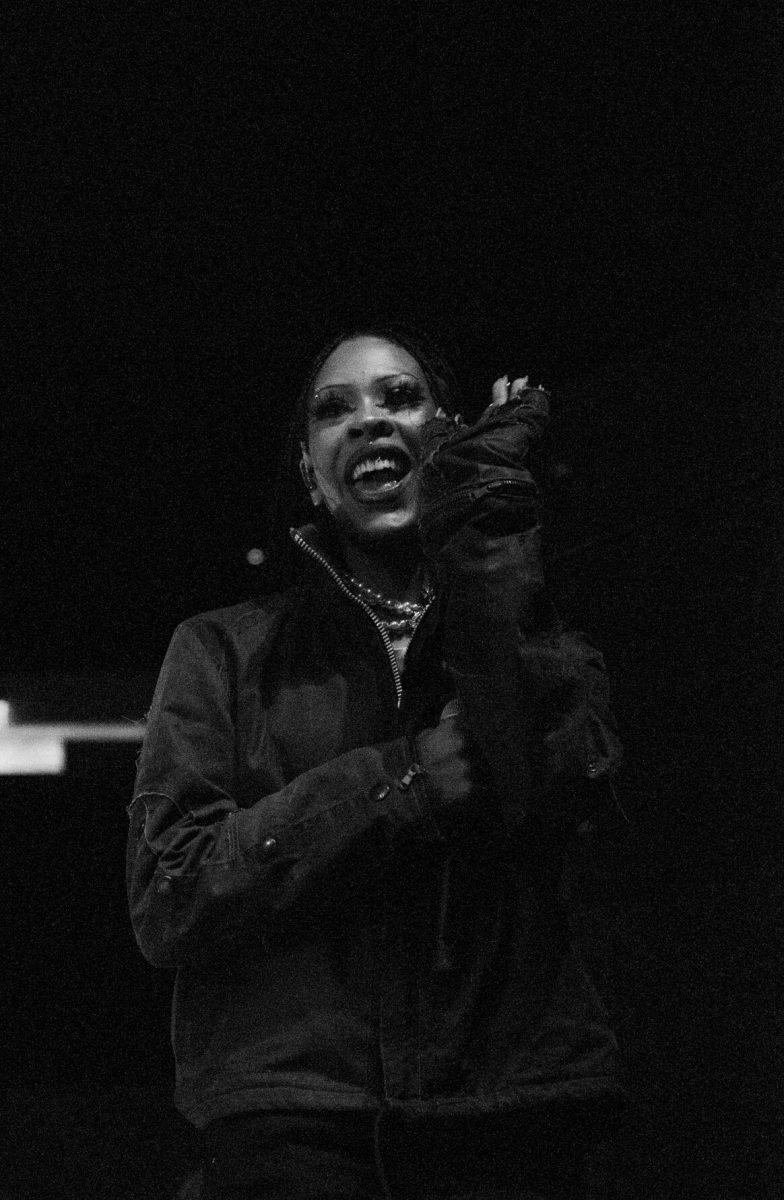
[
  {"x": 32, "y": 756},
  {"x": 40, "y": 749}
]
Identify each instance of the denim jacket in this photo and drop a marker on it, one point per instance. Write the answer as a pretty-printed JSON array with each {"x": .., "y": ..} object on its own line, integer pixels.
[{"x": 283, "y": 857}]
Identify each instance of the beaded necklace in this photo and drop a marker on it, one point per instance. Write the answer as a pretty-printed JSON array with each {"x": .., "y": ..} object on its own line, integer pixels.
[{"x": 407, "y": 613}]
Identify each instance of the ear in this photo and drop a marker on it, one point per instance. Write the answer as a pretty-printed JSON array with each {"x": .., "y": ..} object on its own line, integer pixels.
[{"x": 309, "y": 476}]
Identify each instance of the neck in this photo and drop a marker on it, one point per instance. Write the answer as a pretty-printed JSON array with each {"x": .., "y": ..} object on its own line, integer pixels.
[{"x": 395, "y": 569}]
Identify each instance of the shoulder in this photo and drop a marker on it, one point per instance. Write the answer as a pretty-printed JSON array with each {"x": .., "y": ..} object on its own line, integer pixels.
[
  {"x": 214, "y": 650},
  {"x": 238, "y": 629}
]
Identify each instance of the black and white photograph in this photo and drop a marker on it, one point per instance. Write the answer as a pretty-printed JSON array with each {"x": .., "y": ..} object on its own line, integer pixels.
[{"x": 390, "y": 574}]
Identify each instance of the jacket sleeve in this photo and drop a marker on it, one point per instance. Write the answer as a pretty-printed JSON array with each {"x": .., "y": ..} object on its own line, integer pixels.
[
  {"x": 546, "y": 726},
  {"x": 202, "y": 869},
  {"x": 534, "y": 696},
  {"x": 582, "y": 751}
]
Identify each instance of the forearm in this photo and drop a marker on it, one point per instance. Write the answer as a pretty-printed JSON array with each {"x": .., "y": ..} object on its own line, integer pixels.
[
  {"x": 217, "y": 871},
  {"x": 206, "y": 859},
  {"x": 534, "y": 696}
]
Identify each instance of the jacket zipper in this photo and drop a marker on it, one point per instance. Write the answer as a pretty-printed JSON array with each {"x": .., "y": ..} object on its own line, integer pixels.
[
  {"x": 300, "y": 541},
  {"x": 493, "y": 485}
]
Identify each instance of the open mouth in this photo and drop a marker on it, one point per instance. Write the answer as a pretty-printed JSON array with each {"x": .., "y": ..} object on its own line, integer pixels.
[{"x": 378, "y": 475}]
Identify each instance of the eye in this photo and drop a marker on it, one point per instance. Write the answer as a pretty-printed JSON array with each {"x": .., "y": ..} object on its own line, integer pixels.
[
  {"x": 405, "y": 393},
  {"x": 327, "y": 408}
]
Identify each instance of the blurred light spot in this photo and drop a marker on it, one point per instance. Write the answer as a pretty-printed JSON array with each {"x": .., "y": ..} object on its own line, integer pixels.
[
  {"x": 255, "y": 557},
  {"x": 31, "y": 755},
  {"x": 5, "y": 713}
]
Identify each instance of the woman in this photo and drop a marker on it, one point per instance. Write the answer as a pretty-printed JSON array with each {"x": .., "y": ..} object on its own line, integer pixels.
[{"x": 375, "y": 993}]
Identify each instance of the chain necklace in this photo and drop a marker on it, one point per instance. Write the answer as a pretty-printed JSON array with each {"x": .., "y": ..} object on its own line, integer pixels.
[{"x": 407, "y": 613}]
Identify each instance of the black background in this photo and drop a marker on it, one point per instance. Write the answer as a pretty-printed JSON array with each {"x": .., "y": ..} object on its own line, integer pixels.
[{"x": 197, "y": 195}]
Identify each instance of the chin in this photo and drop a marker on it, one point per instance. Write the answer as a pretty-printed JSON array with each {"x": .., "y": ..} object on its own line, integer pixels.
[{"x": 385, "y": 530}]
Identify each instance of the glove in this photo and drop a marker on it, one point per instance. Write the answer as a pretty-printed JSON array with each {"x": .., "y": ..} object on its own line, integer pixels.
[
  {"x": 480, "y": 532},
  {"x": 475, "y": 472}
]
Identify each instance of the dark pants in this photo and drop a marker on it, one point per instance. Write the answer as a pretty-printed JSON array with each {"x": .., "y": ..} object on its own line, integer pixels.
[{"x": 358, "y": 1157}]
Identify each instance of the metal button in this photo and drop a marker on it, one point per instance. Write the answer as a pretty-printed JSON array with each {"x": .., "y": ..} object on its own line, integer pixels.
[
  {"x": 164, "y": 885},
  {"x": 269, "y": 846},
  {"x": 405, "y": 783},
  {"x": 380, "y": 792}
]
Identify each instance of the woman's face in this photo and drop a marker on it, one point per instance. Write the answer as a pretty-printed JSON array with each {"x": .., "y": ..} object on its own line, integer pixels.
[{"x": 366, "y": 413}]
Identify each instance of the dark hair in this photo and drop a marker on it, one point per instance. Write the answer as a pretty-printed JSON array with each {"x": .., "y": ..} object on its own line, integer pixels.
[
  {"x": 289, "y": 505},
  {"x": 439, "y": 376}
]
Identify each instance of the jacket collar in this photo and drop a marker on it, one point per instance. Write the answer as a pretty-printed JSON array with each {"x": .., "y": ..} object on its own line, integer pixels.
[{"x": 316, "y": 551}]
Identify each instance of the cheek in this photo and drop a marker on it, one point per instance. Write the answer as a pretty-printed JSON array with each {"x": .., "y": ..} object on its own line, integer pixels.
[
  {"x": 322, "y": 457},
  {"x": 328, "y": 489},
  {"x": 321, "y": 451}
]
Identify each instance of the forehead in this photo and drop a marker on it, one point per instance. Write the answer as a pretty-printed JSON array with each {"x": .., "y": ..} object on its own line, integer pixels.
[{"x": 360, "y": 360}]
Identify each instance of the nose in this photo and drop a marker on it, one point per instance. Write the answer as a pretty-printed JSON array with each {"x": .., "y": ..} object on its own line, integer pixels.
[{"x": 369, "y": 420}]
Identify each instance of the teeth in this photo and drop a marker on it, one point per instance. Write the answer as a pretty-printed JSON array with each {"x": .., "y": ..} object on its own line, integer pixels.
[{"x": 373, "y": 464}]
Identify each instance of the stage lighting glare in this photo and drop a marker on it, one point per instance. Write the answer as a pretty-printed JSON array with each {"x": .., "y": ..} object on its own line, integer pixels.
[{"x": 43, "y": 755}]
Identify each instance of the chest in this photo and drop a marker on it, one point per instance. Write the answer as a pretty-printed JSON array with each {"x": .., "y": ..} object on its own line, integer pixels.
[
  {"x": 329, "y": 684},
  {"x": 327, "y": 688}
]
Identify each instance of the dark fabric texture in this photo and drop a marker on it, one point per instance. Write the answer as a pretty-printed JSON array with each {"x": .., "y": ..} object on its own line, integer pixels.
[
  {"x": 345, "y": 943},
  {"x": 350, "y": 1157},
  {"x": 480, "y": 531},
  {"x": 478, "y": 472},
  {"x": 276, "y": 860}
]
